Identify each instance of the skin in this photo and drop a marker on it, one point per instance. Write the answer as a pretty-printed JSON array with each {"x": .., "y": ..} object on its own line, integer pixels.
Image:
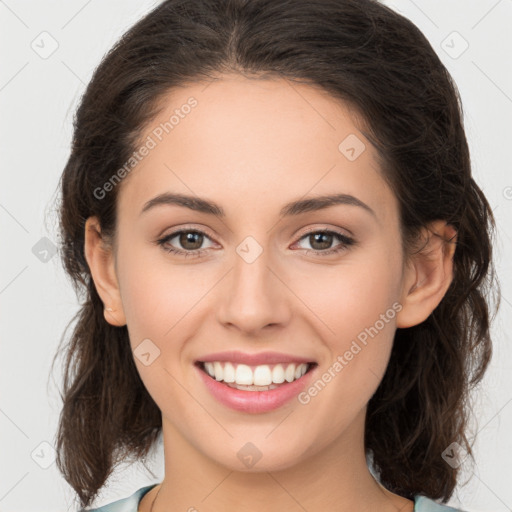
[{"x": 251, "y": 146}]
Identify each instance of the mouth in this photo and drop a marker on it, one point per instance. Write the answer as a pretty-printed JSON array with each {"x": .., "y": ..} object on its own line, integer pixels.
[{"x": 266, "y": 377}]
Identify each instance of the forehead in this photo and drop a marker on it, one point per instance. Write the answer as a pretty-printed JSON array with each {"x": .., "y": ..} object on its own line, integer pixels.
[{"x": 244, "y": 140}]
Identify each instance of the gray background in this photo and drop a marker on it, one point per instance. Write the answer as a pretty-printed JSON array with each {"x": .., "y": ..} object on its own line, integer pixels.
[{"x": 38, "y": 94}]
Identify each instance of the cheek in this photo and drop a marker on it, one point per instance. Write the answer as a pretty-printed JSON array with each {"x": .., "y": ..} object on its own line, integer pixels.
[
  {"x": 351, "y": 296},
  {"x": 156, "y": 297},
  {"x": 354, "y": 306},
  {"x": 155, "y": 293}
]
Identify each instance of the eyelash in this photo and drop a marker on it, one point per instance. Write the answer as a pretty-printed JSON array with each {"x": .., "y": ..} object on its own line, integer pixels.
[{"x": 346, "y": 242}]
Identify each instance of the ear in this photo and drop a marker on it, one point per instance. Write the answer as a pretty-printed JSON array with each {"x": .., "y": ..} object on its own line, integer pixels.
[
  {"x": 100, "y": 259},
  {"x": 428, "y": 274}
]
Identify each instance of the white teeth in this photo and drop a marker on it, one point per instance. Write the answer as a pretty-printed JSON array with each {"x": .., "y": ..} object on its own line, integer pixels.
[
  {"x": 300, "y": 371},
  {"x": 209, "y": 369},
  {"x": 262, "y": 375},
  {"x": 278, "y": 374},
  {"x": 243, "y": 375},
  {"x": 219, "y": 371},
  {"x": 289, "y": 374},
  {"x": 229, "y": 373}
]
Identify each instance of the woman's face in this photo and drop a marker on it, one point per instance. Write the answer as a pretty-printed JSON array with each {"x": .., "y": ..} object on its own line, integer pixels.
[{"x": 265, "y": 281}]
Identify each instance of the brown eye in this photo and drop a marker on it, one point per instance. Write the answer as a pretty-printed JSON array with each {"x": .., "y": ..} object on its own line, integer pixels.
[
  {"x": 188, "y": 242},
  {"x": 321, "y": 242}
]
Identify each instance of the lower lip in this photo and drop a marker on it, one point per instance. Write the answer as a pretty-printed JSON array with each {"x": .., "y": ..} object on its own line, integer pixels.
[{"x": 255, "y": 401}]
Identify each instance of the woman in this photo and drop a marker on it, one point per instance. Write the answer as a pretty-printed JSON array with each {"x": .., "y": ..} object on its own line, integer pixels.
[{"x": 285, "y": 258}]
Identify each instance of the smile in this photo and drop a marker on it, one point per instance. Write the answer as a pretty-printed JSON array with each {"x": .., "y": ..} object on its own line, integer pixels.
[
  {"x": 254, "y": 389},
  {"x": 256, "y": 376}
]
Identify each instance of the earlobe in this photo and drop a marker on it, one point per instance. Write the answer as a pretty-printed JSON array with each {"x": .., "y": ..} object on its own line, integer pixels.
[
  {"x": 101, "y": 264},
  {"x": 428, "y": 275}
]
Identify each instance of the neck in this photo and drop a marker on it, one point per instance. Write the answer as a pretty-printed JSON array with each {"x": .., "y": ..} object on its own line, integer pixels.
[{"x": 336, "y": 477}]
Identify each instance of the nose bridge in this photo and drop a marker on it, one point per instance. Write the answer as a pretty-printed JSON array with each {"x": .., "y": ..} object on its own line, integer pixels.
[{"x": 254, "y": 296}]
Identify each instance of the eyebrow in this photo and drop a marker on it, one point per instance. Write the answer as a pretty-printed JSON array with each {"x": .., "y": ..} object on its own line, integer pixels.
[{"x": 293, "y": 208}]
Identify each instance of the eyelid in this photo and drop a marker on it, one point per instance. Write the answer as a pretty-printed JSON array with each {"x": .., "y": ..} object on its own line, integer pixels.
[
  {"x": 178, "y": 229},
  {"x": 311, "y": 229},
  {"x": 323, "y": 227},
  {"x": 345, "y": 241}
]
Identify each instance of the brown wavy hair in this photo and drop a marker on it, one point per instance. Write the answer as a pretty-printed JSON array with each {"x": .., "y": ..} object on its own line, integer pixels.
[{"x": 381, "y": 65}]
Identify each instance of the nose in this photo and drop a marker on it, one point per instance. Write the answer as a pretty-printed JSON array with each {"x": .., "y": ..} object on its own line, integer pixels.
[{"x": 254, "y": 294}]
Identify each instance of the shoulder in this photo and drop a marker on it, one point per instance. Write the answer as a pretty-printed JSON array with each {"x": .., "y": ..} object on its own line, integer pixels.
[
  {"x": 129, "y": 504},
  {"x": 424, "y": 504}
]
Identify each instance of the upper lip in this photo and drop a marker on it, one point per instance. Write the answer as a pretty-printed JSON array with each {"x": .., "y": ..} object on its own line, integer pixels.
[{"x": 235, "y": 356}]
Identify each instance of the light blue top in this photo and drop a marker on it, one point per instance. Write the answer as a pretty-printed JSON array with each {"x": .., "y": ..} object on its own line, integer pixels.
[{"x": 130, "y": 504}]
